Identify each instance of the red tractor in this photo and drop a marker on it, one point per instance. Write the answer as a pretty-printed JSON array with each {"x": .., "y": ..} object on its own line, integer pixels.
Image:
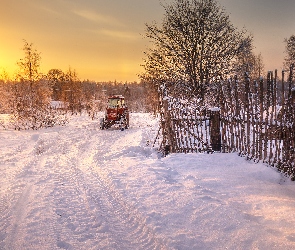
[{"x": 116, "y": 113}]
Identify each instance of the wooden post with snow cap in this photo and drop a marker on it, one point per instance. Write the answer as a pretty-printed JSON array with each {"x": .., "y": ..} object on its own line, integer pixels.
[{"x": 215, "y": 135}]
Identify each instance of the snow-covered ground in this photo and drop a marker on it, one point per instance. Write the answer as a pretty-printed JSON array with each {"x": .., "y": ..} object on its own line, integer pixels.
[{"x": 79, "y": 187}]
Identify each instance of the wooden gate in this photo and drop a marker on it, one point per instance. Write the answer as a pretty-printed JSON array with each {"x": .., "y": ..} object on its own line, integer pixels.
[{"x": 255, "y": 119}]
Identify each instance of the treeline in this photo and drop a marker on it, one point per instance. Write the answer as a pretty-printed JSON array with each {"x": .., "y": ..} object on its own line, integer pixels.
[{"x": 35, "y": 100}]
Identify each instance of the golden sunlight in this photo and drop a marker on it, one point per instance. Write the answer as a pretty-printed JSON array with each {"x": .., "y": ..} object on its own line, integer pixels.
[{"x": 7, "y": 68}]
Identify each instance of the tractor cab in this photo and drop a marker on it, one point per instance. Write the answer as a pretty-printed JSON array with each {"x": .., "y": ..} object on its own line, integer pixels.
[
  {"x": 116, "y": 101},
  {"x": 116, "y": 113}
]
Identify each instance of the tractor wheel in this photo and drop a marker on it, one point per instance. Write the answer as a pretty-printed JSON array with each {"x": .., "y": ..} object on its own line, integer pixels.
[
  {"x": 126, "y": 120},
  {"x": 102, "y": 124},
  {"x": 126, "y": 126},
  {"x": 122, "y": 123}
]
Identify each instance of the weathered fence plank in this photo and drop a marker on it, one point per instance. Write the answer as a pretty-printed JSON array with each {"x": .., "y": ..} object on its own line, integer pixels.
[
  {"x": 215, "y": 135},
  {"x": 256, "y": 120}
]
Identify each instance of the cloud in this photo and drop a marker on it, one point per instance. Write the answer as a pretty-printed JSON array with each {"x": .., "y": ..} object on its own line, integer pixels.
[
  {"x": 107, "y": 25},
  {"x": 120, "y": 34},
  {"x": 97, "y": 18}
]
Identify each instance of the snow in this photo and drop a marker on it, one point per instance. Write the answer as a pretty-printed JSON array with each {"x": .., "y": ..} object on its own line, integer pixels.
[
  {"x": 79, "y": 187},
  {"x": 214, "y": 109},
  {"x": 58, "y": 104}
]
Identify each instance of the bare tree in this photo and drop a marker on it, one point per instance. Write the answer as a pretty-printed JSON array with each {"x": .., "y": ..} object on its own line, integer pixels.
[
  {"x": 290, "y": 52},
  {"x": 30, "y": 96},
  {"x": 195, "y": 44},
  {"x": 258, "y": 67},
  {"x": 56, "y": 78},
  {"x": 72, "y": 91},
  {"x": 29, "y": 65},
  {"x": 248, "y": 62},
  {"x": 4, "y": 92}
]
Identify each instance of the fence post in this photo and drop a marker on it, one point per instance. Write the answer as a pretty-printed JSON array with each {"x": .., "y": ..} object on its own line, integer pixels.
[
  {"x": 293, "y": 133},
  {"x": 289, "y": 138},
  {"x": 247, "y": 111},
  {"x": 293, "y": 96},
  {"x": 215, "y": 135},
  {"x": 170, "y": 146}
]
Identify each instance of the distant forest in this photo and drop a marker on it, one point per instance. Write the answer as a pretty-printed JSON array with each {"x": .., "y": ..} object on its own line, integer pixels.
[
  {"x": 194, "y": 52},
  {"x": 34, "y": 100}
]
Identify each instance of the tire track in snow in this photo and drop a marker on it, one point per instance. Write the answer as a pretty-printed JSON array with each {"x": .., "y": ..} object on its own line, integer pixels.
[
  {"x": 24, "y": 210},
  {"x": 61, "y": 200},
  {"x": 121, "y": 223},
  {"x": 16, "y": 234},
  {"x": 15, "y": 209},
  {"x": 126, "y": 226}
]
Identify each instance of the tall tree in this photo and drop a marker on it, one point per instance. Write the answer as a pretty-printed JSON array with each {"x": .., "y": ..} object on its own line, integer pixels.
[
  {"x": 290, "y": 51},
  {"x": 29, "y": 65},
  {"x": 248, "y": 62},
  {"x": 195, "y": 44},
  {"x": 258, "y": 67},
  {"x": 30, "y": 96},
  {"x": 72, "y": 91},
  {"x": 56, "y": 78}
]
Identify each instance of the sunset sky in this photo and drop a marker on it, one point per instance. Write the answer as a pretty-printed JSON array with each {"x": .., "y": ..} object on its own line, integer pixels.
[{"x": 103, "y": 40}]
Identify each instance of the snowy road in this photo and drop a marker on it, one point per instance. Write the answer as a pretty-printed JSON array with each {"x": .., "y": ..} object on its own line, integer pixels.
[
  {"x": 78, "y": 187},
  {"x": 57, "y": 195}
]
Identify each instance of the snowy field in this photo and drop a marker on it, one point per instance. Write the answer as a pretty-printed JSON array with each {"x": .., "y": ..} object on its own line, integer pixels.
[{"x": 79, "y": 187}]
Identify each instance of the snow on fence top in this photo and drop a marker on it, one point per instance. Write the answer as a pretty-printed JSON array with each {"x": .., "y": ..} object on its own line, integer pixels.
[{"x": 256, "y": 120}]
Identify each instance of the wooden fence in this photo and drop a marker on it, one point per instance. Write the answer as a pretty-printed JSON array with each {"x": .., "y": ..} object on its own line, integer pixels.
[{"x": 255, "y": 119}]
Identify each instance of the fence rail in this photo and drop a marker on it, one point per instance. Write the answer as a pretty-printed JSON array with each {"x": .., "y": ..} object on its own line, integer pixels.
[{"x": 255, "y": 119}]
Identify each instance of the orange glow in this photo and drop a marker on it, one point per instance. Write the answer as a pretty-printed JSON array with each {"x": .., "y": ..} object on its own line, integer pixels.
[
  {"x": 7, "y": 64},
  {"x": 103, "y": 40}
]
